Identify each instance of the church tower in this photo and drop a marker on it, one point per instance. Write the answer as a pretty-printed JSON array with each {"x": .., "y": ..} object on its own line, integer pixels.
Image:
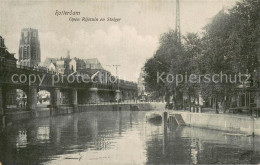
[{"x": 29, "y": 49}]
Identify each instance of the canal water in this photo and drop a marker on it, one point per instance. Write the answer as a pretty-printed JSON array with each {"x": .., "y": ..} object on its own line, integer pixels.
[{"x": 120, "y": 137}]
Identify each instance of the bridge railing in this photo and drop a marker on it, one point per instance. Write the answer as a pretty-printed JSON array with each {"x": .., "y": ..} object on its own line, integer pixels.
[
  {"x": 112, "y": 102},
  {"x": 40, "y": 70},
  {"x": 127, "y": 84}
]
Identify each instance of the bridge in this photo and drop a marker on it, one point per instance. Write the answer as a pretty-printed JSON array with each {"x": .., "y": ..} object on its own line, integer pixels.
[{"x": 32, "y": 80}]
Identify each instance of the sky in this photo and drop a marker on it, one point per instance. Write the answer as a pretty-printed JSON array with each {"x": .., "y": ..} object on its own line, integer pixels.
[{"x": 128, "y": 43}]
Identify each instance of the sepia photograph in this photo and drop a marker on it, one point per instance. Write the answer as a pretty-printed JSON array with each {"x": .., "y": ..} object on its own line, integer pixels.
[{"x": 129, "y": 82}]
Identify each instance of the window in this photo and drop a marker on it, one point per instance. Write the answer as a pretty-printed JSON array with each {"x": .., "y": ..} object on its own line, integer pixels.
[{"x": 24, "y": 52}]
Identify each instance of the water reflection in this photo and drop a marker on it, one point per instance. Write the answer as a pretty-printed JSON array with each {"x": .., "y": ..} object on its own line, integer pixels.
[
  {"x": 43, "y": 134},
  {"x": 120, "y": 137},
  {"x": 21, "y": 139},
  {"x": 194, "y": 152}
]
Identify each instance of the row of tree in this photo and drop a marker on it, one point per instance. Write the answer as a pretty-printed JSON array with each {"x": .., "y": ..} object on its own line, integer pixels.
[{"x": 230, "y": 44}]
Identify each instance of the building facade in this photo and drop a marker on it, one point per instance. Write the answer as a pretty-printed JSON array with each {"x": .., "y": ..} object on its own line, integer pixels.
[
  {"x": 6, "y": 57},
  {"x": 29, "y": 48},
  {"x": 67, "y": 65},
  {"x": 93, "y": 63}
]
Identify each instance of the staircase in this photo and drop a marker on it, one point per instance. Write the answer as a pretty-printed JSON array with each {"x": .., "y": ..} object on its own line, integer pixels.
[{"x": 179, "y": 119}]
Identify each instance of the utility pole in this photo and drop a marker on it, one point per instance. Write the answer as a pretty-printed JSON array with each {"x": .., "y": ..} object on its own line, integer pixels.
[
  {"x": 117, "y": 91},
  {"x": 116, "y": 66},
  {"x": 177, "y": 24},
  {"x": 257, "y": 83}
]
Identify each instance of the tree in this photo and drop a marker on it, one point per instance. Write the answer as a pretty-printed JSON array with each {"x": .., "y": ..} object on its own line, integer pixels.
[{"x": 230, "y": 44}]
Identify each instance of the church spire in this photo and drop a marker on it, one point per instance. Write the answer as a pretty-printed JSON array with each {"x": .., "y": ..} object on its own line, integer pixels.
[{"x": 68, "y": 54}]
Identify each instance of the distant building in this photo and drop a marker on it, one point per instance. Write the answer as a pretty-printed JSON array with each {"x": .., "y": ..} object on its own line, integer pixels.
[
  {"x": 80, "y": 64},
  {"x": 66, "y": 65},
  {"x": 52, "y": 67},
  {"x": 68, "y": 54},
  {"x": 48, "y": 62},
  {"x": 29, "y": 49},
  {"x": 6, "y": 57},
  {"x": 93, "y": 63},
  {"x": 73, "y": 65},
  {"x": 60, "y": 66}
]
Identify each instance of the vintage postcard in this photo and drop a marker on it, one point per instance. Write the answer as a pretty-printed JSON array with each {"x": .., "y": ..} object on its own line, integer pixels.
[{"x": 129, "y": 82}]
